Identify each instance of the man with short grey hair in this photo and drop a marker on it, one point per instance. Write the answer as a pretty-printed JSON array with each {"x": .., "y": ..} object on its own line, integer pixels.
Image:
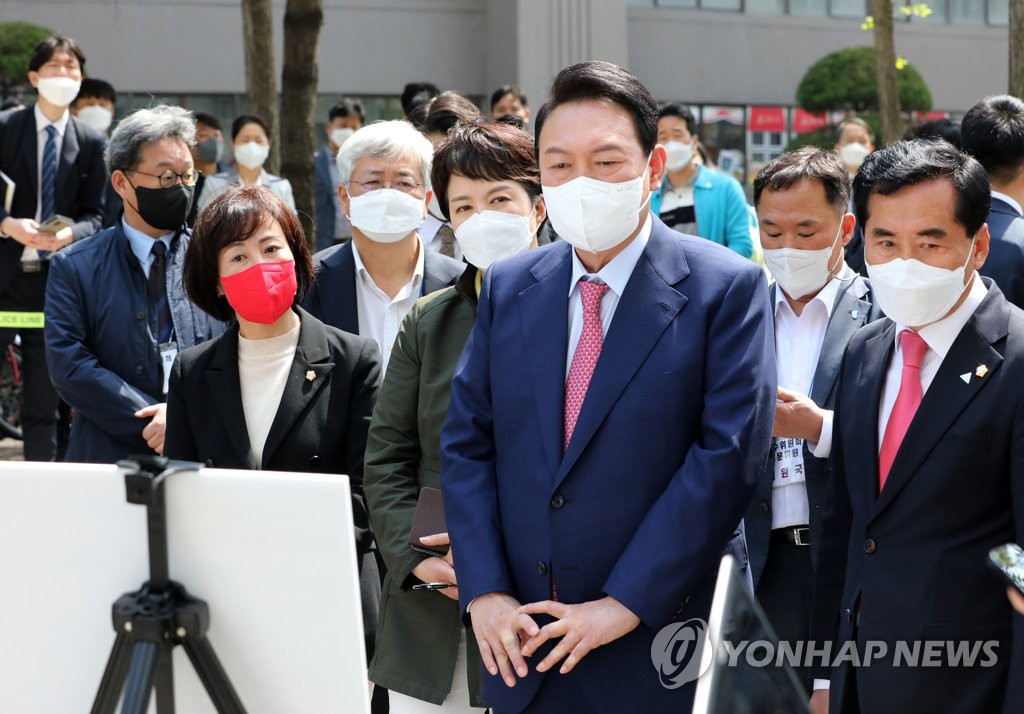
[
  {"x": 116, "y": 313},
  {"x": 366, "y": 286}
]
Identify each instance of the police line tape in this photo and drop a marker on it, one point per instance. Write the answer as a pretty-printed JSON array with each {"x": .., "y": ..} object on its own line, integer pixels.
[{"x": 22, "y": 319}]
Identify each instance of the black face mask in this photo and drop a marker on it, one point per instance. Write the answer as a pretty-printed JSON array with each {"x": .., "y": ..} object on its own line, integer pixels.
[{"x": 164, "y": 208}]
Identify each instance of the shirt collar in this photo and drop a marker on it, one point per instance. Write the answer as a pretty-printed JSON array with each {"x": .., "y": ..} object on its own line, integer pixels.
[
  {"x": 42, "y": 121},
  {"x": 940, "y": 335},
  {"x": 616, "y": 273},
  {"x": 1013, "y": 202},
  {"x": 417, "y": 273},
  {"x": 826, "y": 296},
  {"x": 142, "y": 244}
]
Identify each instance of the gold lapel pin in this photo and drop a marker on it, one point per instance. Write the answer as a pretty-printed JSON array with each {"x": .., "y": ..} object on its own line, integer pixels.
[
  {"x": 310, "y": 375},
  {"x": 981, "y": 371}
]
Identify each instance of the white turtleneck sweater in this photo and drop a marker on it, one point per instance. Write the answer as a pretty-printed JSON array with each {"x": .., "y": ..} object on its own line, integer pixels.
[{"x": 263, "y": 367}]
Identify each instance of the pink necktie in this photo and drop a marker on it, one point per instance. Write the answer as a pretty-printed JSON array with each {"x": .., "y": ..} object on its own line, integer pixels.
[
  {"x": 907, "y": 402},
  {"x": 588, "y": 349}
]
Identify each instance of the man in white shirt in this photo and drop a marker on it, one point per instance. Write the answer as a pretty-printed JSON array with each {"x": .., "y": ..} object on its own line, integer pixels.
[
  {"x": 366, "y": 286},
  {"x": 55, "y": 165},
  {"x": 928, "y": 469},
  {"x": 801, "y": 199}
]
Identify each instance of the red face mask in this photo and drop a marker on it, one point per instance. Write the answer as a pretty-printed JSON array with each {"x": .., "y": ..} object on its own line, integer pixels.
[{"x": 263, "y": 292}]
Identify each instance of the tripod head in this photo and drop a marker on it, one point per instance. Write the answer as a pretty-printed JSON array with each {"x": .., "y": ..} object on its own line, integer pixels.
[{"x": 144, "y": 477}]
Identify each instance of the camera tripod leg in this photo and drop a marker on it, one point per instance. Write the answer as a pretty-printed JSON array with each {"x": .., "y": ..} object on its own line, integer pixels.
[
  {"x": 211, "y": 673},
  {"x": 165, "y": 682},
  {"x": 113, "y": 676},
  {"x": 141, "y": 677}
]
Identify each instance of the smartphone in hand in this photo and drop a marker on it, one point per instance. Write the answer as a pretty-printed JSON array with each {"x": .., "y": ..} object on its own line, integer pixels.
[
  {"x": 55, "y": 223},
  {"x": 1008, "y": 562}
]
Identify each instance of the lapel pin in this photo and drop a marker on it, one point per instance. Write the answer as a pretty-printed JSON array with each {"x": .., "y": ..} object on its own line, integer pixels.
[
  {"x": 966, "y": 376},
  {"x": 981, "y": 371},
  {"x": 310, "y": 375},
  {"x": 855, "y": 314}
]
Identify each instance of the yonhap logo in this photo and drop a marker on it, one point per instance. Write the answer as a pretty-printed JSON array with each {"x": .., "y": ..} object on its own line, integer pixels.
[{"x": 681, "y": 652}]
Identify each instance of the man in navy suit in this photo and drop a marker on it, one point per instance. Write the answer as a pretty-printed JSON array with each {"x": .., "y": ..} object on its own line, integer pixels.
[
  {"x": 343, "y": 120},
  {"x": 56, "y": 164},
  {"x": 993, "y": 132},
  {"x": 928, "y": 470},
  {"x": 802, "y": 199},
  {"x": 608, "y": 421}
]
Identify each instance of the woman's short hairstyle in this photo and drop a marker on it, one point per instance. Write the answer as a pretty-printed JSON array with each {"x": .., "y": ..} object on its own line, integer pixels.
[
  {"x": 233, "y": 216},
  {"x": 448, "y": 109},
  {"x": 485, "y": 151},
  {"x": 240, "y": 122},
  {"x": 391, "y": 140}
]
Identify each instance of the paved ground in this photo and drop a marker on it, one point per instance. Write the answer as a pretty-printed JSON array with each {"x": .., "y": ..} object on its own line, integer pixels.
[{"x": 10, "y": 450}]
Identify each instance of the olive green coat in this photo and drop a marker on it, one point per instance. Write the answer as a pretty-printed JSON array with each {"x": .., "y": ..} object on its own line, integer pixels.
[{"x": 418, "y": 632}]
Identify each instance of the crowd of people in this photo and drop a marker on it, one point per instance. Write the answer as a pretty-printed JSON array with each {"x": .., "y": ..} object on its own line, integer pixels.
[{"x": 614, "y": 369}]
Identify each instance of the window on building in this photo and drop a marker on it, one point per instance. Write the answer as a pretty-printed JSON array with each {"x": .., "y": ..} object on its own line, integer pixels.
[
  {"x": 808, "y": 7},
  {"x": 967, "y": 12},
  {"x": 999, "y": 12},
  {"x": 766, "y": 7},
  {"x": 848, "y": 8},
  {"x": 733, "y": 5}
]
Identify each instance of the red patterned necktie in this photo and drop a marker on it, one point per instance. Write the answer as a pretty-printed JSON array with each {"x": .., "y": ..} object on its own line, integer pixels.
[
  {"x": 906, "y": 404},
  {"x": 584, "y": 359}
]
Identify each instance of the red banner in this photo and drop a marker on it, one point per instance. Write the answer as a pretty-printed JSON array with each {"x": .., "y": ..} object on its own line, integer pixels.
[{"x": 767, "y": 119}]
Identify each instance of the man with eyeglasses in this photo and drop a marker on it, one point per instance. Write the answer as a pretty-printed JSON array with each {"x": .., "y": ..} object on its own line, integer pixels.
[
  {"x": 51, "y": 194},
  {"x": 116, "y": 312},
  {"x": 367, "y": 286}
]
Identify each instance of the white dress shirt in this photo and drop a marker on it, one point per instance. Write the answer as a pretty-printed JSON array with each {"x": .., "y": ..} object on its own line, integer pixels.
[
  {"x": 31, "y": 254},
  {"x": 940, "y": 337},
  {"x": 379, "y": 315},
  {"x": 798, "y": 341},
  {"x": 616, "y": 274}
]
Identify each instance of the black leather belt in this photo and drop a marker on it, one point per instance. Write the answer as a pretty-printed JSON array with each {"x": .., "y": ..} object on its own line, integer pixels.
[{"x": 795, "y": 535}]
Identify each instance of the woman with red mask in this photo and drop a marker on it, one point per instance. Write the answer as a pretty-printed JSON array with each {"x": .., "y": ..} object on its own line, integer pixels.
[{"x": 279, "y": 390}]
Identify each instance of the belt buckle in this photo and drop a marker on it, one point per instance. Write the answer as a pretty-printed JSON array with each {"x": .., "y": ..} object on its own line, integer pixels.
[
  {"x": 800, "y": 536},
  {"x": 31, "y": 266}
]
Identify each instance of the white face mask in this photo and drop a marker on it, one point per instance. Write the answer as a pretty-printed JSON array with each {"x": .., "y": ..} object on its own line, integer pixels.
[
  {"x": 490, "y": 236},
  {"x": 595, "y": 215},
  {"x": 386, "y": 215},
  {"x": 853, "y": 155},
  {"x": 252, "y": 155},
  {"x": 340, "y": 136},
  {"x": 679, "y": 155},
  {"x": 59, "y": 91},
  {"x": 802, "y": 272},
  {"x": 99, "y": 118},
  {"x": 914, "y": 293}
]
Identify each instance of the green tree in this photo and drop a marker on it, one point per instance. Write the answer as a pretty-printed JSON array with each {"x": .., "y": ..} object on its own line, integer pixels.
[
  {"x": 17, "y": 40},
  {"x": 846, "y": 80}
]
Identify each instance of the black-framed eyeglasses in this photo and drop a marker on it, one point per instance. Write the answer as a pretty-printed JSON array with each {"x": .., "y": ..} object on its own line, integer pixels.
[
  {"x": 403, "y": 184},
  {"x": 168, "y": 178}
]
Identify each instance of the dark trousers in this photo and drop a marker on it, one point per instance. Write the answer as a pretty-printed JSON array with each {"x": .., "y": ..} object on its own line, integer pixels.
[
  {"x": 784, "y": 592},
  {"x": 26, "y": 293}
]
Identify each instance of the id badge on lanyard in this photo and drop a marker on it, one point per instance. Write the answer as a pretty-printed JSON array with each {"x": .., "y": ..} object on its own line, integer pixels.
[
  {"x": 168, "y": 351},
  {"x": 788, "y": 459}
]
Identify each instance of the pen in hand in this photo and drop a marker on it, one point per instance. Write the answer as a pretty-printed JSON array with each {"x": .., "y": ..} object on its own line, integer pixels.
[{"x": 432, "y": 586}]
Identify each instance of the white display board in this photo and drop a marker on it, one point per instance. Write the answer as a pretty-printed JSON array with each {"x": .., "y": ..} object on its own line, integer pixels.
[{"x": 271, "y": 553}]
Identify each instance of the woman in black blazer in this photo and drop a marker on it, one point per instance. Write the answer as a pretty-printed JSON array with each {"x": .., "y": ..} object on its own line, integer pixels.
[{"x": 279, "y": 390}]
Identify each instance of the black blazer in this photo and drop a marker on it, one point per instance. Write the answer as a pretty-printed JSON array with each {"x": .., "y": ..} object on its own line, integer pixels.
[
  {"x": 333, "y": 295},
  {"x": 1005, "y": 263},
  {"x": 81, "y": 179},
  {"x": 909, "y": 564},
  {"x": 852, "y": 310},
  {"x": 320, "y": 426}
]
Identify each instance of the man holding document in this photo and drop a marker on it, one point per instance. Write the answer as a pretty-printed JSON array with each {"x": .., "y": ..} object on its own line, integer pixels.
[{"x": 54, "y": 164}]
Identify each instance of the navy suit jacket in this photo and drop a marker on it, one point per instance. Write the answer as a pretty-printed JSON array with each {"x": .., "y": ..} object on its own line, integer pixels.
[
  {"x": 1005, "y": 263},
  {"x": 332, "y": 298},
  {"x": 852, "y": 310},
  {"x": 81, "y": 180},
  {"x": 671, "y": 438},
  {"x": 909, "y": 563},
  {"x": 325, "y": 196}
]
